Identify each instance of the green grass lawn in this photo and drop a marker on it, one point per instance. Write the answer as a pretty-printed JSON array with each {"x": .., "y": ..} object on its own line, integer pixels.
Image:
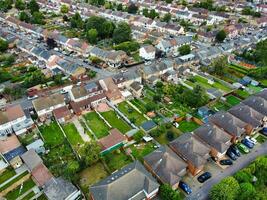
[
  {"x": 116, "y": 160},
  {"x": 139, "y": 105},
  {"x": 143, "y": 149},
  {"x": 18, "y": 191},
  {"x": 91, "y": 175},
  {"x": 73, "y": 136},
  {"x": 204, "y": 82},
  {"x": 13, "y": 181},
  {"x": 255, "y": 89},
  {"x": 52, "y": 134},
  {"x": 42, "y": 197},
  {"x": 264, "y": 82},
  {"x": 186, "y": 126},
  {"x": 218, "y": 106},
  {"x": 131, "y": 113},
  {"x": 261, "y": 139},
  {"x": 29, "y": 196},
  {"x": 232, "y": 100},
  {"x": 28, "y": 138},
  {"x": 97, "y": 125},
  {"x": 242, "y": 93},
  {"x": 7, "y": 174},
  {"x": 163, "y": 139},
  {"x": 116, "y": 122}
]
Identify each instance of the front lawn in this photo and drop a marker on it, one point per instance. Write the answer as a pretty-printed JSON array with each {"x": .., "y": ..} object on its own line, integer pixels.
[
  {"x": 131, "y": 113},
  {"x": 139, "y": 151},
  {"x": 52, "y": 134},
  {"x": 20, "y": 190},
  {"x": 116, "y": 160},
  {"x": 92, "y": 175},
  {"x": 97, "y": 125},
  {"x": 7, "y": 174},
  {"x": 73, "y": 136},
  {"x": 115, "y": 121},
  {"x": 232, "y": 100},
  {"x": 187, "y": 126}
]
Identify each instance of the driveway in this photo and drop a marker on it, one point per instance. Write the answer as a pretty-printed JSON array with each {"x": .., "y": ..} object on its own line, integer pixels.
[{"x": 243, "y": 161}]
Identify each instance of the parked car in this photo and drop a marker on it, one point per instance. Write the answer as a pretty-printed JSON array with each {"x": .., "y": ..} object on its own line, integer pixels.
[
  {"x": 231, "y": 154},
  {"x": 226, "y": 162},
  {"x": 247, "y": 143},
  {"x": 32, "y": 97},
  {"x": 204, "y": 177},
  {"x": 235, "y": 150},
  {"x": 185, "y": 187},
  {"x": 252, "y": 140},
  {"x": 242, "y": 148}
]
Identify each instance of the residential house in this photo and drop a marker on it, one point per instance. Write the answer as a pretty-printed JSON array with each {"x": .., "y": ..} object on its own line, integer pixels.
[
  {"x": 62, "y": 114},
  {"x": 136, "y": 89},
  {"x": 38, "y": 170},
  {"x": 216, "y": 138},
  {"x": 147, "y": 52},
  {"x": 192, "y": 150},
  {"x": 111, "y": 142},
  {"x": 44, "y": 106},
  {"x": 230, "y": 124},
  {"x": 59, "y": 188},
  {"x": 11, "y": 149},
  {"x": 131, "y": 182},
  {"x": 257, "y": 103},
  {"x": 248, "y": 115},
  {"x": 166, "y": 166},
  {"x": 111, "y": 90},
  {"x": 14, "y": 120}
]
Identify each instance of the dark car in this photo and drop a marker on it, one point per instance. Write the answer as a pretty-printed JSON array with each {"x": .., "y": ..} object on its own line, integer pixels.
[
  {"x": 231, "y": 154},
  {"x": 247, "y": 143},
  {"x": 226, "y": 162},
  {"x": 203, "y": 177},
  {"x": 235, "y": 150},
  {"x": 185, "y": 187}
]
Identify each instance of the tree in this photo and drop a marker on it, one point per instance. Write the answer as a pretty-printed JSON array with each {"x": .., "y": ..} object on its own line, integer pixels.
[
  {"x": 219, "y": 65},
  {"x": 167, "y": 17},
  {"x": 167, "y": 193},
  {"x": 23, "y": 16},
  {"x": 33, "y": 6},
  {"x": 97, "y": 2},
  {"x": 20, "y": 4},
  {"x": 170, "y": 135},
  {"x": 37, "y": 18},
  {"x": 132, "y": 8},
  {"x": 90, "y": 153},
  {"x": 58, "y": 79},
  {"x": 35, "y": 78},
  {"x": 119, "y": 7},
  {"x": 128, "y": 47},
  {"x": 242, "y": 176},
  {"x": 92, "y": 36},
  {"x": 51, "y": 43},
  {"x": 3, "y": 45},
  {"x": 71, "y": 170},
  {"x": 220, "y": 36},
  {"x": 64, "y": 9},
  {"x": 76, "y": 21},
  {"x": 6, "y": 5},
  {"x": 247, "y": 191},
  {"x": 122, "y": 33},
  {"x": 184, "y": 50},
  {"x": 228, "y": 189},
  {"x": 168, "y": 1},
  {"x": 138, "y": 136}
]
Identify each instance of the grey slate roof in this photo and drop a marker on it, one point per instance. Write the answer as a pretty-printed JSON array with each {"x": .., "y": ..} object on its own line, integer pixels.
[
  {"x": 166, "y": 164},
  {"x": 263, "y": 94},
  {"x": 229, "y": 123},
  {"x": 58, "y": 189},
  {"x": 31, "y": 159},
  {"x": 257, "y": 103},
  {"x": 247, "y": 114},
  {"x": 191, "y": 149},
  {"x": 148, "y": 125},
  {"x": 214, "y": 136},
  {"x": 125, "y": 183}
]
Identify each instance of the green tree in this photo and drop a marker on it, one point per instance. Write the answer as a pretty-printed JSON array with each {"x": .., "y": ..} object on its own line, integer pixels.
[
  {"x": 184, "y": 50},
  {"x": 71, "y": 170},
  {"x": 228, "y": 189},
  {"x": 243, "y": 177},
  {"x": 220, "y": 36},
  {"x": 128, "y": 47},
  {"x": 33, "y": 6},
  {"x": 35, "y": 78},
  {"x": 92, "y": 36},
  {"x": 23, "y": 16},
  {"x": 122, "y": 33},
  {"x": 167, "y": 193},
  {"x": 38, "y": 18},
  {"x": 76, "y": 21},
  {"x": 167, "y": 17},
  {"x": 168, "y": 1},
  {"x": 3, "y": 45},
  {"x": 20, "y": 4},
  {"x": 219, "y": 65},
  {"x": 97, "y": 2},
  {"x": 132, "y": 8},
  {"x": 247, "y": 191},
  {"x": 90, "y": 153},
  {"x": 6, "y": 5},
  {"x": 64, "y": 9}
]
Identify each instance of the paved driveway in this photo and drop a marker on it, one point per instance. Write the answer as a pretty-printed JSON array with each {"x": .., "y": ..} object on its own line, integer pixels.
[{"x": 202, "y": 193}]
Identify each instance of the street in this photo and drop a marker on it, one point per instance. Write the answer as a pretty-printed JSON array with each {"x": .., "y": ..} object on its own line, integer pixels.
[{"x": 242, "y": 162}]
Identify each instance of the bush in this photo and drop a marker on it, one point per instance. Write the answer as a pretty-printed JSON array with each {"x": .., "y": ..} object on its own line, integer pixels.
[
  {"x": 170, "y": 135},
  {"x": 128, "y": 47},
  {"x": 138, "y": 136}
]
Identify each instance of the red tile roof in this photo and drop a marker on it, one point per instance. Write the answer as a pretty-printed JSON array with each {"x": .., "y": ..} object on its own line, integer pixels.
[
  {"x": 41, "y": 174},
  {"x": 114, "y": 137},
  {"x": 61, "y": 112},
  {"x": 9, "y": 144}
]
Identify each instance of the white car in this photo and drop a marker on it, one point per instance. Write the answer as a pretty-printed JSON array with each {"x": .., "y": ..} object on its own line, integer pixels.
[
  {"x": 252, "y": 140},
  {"x": 63, "y": 91},
  {"x": 32, "y": 97}
]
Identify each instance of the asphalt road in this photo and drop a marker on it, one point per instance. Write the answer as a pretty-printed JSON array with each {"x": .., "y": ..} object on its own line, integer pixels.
[{"x": 243, "y": 161}]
